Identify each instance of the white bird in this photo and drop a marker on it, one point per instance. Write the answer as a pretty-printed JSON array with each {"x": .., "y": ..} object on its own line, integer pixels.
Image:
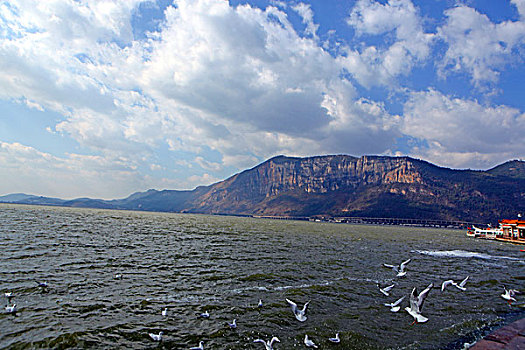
[
  {"x": 41, "y": 284},
  {"x": 308, "y": 342},
  {"x": 233, "y": 325},
  {"x": 268, "y": 344},
  {"x": 394, "y": 307},
  {"x": 200, "y": 347},
  {"x": 205, "y": 314},
  {"x": 460, "y": 286},
  {"x": 156, "y": 337},
  {"x": 118, "y": 276},
  {"x": 11, "y": 309},
  {"x": 300, "y": 315},
  {"x": 399, "y": 269},
  {"x": 386, "y": 289},
  {"x": 260, "y": 304},
  {"x": 8, "y": 295},
  {"x": 335, "y": 339},
  {"x": 416, "y": 304},
  {"x": 165, "y": 312},
  {"x": 509, "y": 294}
]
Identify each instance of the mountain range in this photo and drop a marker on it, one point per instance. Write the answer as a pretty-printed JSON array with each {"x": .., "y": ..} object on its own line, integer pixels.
[{"x": 337, "y": 186}]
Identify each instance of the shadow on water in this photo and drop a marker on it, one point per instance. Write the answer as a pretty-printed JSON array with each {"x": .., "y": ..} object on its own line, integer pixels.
[{"x": 110, "y": 274}]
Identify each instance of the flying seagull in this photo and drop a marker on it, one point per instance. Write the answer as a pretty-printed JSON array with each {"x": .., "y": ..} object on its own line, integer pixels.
[
  {"x": 200, "y": 347},
  {"x": 205, "y": 314},
  {"x": 300, "y": 315},
  {"x": 308, "y": 342},
  {"x": 260, "y": 304},
  {"x": 11, "y": 309},
  {"x": 335, "y": 339},
  {"x": 460, "y": 286},
  {"x": 8, "y": 295},
  {"x": 385, "y": 290},
  {"x": 233, "y": 325},
  {"x": 509, "y": 294},
  {"x": 268, "y": 344},
  {"x": 416, "y": 304},
  {"x": 156, "y": 337},
  {"x": 165, "y": 312},
  {"x": 394, "y": 307},
  {"x": 399, "y": 269}
]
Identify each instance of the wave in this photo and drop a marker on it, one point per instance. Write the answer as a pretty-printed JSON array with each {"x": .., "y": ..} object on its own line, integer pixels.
[{"x": 463, "y": 254}]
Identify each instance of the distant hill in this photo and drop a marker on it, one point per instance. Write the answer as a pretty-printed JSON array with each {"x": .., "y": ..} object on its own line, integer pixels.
[{"x": 341, "y": 185}]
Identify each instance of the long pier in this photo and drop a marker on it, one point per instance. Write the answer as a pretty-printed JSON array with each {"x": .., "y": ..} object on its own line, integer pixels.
[{"x": 462, "y": 225}]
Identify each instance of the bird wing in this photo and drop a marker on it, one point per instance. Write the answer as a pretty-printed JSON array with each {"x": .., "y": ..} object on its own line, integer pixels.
[
  {"x": 445, "y": 284},
  {"x": 305, "y": 306},
  {"x": 390, "y": 266},
  {"x": 387, "y": 289},
  {"x": 292, "y": 305},
  {"x": 403, "y": 264},
  {"x": 423, "y": 295},
  {"x": 398, "y": 301},
  {"x": 413, "y": 300},
  {"x": 274, "y": 339},
  {"x": 462, "y": 283}
]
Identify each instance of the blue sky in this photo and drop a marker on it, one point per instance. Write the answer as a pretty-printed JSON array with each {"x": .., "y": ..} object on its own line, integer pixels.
[{"x": 106, "y": 98}]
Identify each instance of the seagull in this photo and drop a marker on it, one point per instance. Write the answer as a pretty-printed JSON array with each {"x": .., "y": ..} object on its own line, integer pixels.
[
  {"x": 118, "y": 276},
  {"x": 400, "y": 269},
  {"x": 205, "y": 314},
  {"x": 416, "y": 304},
  {"x": 200, "y": 347},
  {"x": 300, "y": 315},
  {"x": 335, "y": 339},
  {"x": 41, "y": 284},
  {"x": 460, "y": 286},
  {"x": 509, "y": 294},
  {"x": 156, "y": 337},
  {"x": 260, "y": 304},
  {"x": 308, "y": 342},
  {"x": 268, "y": 344},
  {"x": 165, "y": 312},
  {"x": 11, "y": 309},
  {"x": 386, "y": 289},
  {"x": 8, "y": 295},
  {"x": 233, "y": 325},
  {"x": 394, "y": 307}
]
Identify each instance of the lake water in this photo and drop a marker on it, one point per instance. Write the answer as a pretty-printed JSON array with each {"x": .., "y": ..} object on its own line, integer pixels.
[{"x": 224, "y": 265}]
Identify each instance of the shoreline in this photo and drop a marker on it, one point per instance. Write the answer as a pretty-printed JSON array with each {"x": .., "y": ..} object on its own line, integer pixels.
[{"x": 509, "y": 336}]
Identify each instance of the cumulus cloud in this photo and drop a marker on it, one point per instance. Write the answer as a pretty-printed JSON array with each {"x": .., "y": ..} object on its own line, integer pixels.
[
  {"x": 25, "y": 169},
  {"x": 374, "y": 65},
  {"x": 478, "y": 46},
  {"x": 462, "y": 132}
]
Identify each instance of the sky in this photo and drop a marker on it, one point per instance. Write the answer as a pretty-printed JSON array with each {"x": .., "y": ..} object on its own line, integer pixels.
[{"x": 102, "y": 99}]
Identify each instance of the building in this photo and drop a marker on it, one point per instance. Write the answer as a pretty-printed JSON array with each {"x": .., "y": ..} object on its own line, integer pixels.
[{"x": 513, "y": 230}]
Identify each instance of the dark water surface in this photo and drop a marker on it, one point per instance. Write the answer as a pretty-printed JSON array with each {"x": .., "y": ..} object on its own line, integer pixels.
[{"x": 224, "y": 265}]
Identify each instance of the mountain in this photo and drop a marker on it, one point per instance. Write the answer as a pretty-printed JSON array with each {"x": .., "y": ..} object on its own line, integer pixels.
[{"x": 341, "y": 185}]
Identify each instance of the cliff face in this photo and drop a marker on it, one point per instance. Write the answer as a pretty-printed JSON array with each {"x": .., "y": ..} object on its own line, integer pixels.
[{"x": 368, "y": 186}]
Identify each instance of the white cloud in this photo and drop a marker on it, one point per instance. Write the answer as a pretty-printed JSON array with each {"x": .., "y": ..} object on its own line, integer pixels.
[
  {"x": 462, "y": 133},
  {"x": 374, "y": 65},
  {"x": 306, "y": 13},
  {"x": 478, "y": 46},
  {"x": 25, "y": 169}
]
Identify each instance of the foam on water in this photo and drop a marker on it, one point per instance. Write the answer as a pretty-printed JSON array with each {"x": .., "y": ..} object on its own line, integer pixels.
[{"x": 462, "y": 254}]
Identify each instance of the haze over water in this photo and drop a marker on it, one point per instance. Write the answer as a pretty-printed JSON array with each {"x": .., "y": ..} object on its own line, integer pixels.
[{"x": 224, "y": 265}]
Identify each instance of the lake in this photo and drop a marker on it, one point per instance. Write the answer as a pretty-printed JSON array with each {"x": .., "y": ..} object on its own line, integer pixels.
[{"x": 190, "y": 264}]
